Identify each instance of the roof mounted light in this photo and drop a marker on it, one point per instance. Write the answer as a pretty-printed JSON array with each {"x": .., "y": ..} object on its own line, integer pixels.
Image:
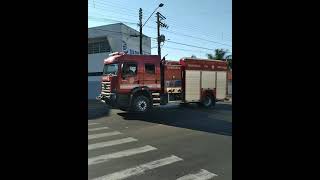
[{"x": 117, "y": 53}]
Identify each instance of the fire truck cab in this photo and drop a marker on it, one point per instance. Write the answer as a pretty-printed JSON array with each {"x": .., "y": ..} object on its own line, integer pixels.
[{"x": 139, "y": 82}]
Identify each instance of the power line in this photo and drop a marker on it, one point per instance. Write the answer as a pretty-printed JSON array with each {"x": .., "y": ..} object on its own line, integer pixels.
[
  {"x": 180, "y": 34},
  {"x": 174, "y": 22},
  {"x": 104, "y": 8},
  {"x": 108, "y": 19},
  {"x": 154, "y": 39},
  {"x": 196, "y": 38},
  {"x": 187, "y": 50},
  {"x": 115, "y": 12},
  {"x": 120, "y": 6},
  {"x": 188, "y": 45}
]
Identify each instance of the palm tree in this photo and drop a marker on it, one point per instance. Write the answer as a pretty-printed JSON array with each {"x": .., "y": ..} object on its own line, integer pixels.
[
  {"x": 229, "y": 60},
  {"x": 220, "y": 53},
  {"x": 210, "y": 56}
]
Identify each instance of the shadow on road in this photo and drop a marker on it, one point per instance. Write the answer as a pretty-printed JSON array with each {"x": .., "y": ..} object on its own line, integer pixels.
[
  {"x": 97, "y": 109},
  {"x": 189, "y": 117}
]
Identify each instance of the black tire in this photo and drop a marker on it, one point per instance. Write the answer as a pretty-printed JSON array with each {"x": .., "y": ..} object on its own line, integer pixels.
[
  {"x": 208, "y": 101},
  {"x": 123, "y": 109},
  {"x": 141, "y": 104}
]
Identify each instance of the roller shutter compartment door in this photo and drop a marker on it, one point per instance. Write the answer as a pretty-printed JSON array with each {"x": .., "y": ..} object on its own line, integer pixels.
[
  {"x": 221, "y": 85},
  {"x": 192, "y": 86}
]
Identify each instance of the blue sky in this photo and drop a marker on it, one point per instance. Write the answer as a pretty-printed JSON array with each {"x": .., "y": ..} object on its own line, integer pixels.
[{"x": 210, "y": 20}]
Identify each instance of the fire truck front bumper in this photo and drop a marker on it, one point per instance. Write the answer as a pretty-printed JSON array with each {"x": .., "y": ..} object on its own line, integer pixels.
[{"x": 109, "y": 99}]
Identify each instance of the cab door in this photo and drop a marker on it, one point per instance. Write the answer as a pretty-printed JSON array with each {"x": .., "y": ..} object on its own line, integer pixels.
[
  {"x": 151, "y": 75},
  {"x": 130, "y": 78}
]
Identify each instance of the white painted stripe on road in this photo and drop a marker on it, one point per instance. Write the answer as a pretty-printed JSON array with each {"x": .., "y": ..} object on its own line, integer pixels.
[
  {"x": 125, "y": 153},
  {"x": 139, "y": 169},
  {"x": 201, "y": 175},
  {"x": 111, "y": 143},
  {"x": 95, "y": 136},
  {"x": 89, "y": 124},
  {"x": 97, "y": 129}
]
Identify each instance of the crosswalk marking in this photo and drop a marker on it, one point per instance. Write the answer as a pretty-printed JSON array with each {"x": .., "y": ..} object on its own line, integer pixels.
[
  {"x": 111, "y": 143},
  {"x": 89, "y": 124},
  {"x": 95, "y": 136},
  {"x": 139, "y": 169},
  {"x": 201, "y": 175},
  {"x": 97, "y": 129},
  {"x": 129, "y": 152}
]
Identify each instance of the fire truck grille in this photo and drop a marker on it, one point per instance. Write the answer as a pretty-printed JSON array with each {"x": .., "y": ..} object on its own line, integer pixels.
[{"x": 106, "y": 88}]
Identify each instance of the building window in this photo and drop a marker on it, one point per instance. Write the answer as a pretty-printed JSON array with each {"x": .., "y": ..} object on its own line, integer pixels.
[
  {"x": 98, "y": 45},
  {"x": 150, "y": 69}
]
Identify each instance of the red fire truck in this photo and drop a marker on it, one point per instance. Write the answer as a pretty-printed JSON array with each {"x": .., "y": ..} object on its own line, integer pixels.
[{"x": 139, "y": 82}]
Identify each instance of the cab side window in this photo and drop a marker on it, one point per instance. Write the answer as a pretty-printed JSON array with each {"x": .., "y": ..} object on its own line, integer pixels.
[
  {"x": 129, "y": 69},
  {"x": 150, "y": 68}
]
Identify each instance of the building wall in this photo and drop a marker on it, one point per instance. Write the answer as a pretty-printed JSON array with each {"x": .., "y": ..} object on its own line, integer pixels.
[
  {"x": 120, "y": 40},
  {"x": 95, "y": 64},
  {"x": 133, "y": 43}
]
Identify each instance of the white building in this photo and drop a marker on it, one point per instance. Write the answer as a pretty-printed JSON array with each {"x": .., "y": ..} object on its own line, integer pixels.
[{"x": 102, "y": 41}]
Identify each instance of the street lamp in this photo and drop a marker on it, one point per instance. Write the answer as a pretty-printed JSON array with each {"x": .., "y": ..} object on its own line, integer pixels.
[
  {"x": 160, "y": 5},
  {"x": 140, "y": 24}
]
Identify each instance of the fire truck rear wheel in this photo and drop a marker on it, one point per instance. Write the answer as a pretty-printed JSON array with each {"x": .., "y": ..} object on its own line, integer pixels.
[
  {"x": 141, "y": 104},
  {"x": 208, "y": 101}
]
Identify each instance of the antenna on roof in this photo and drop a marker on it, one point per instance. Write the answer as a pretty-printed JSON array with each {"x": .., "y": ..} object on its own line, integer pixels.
[{"x": 164, "y": 57}]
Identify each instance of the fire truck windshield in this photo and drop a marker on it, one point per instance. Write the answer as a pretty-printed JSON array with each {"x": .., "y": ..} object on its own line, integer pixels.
[{"x": 110, "y": 69}]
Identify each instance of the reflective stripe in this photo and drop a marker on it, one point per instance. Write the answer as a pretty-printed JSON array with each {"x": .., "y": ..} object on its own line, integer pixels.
[{"x": 131, "y": 86}]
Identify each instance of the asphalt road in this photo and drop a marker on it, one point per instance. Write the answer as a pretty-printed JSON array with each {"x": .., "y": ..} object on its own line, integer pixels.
[{"x": 168, "y": 143}]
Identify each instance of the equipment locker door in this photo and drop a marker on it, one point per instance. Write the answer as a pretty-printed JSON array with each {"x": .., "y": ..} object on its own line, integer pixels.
[
  {"x": 221, "y": 87},
  {"x": 192, "y": 85}
]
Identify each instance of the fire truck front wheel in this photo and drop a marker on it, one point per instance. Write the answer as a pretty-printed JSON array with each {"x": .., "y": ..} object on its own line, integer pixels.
[{"x": 141, "y": 104}]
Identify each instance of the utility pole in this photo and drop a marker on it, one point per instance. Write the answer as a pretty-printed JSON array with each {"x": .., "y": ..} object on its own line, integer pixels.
[
  {"x": 160, "y": 38},
  {"x": 140, "y": 24}
]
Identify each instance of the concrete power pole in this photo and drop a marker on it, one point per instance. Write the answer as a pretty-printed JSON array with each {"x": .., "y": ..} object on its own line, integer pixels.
[
  {"x": 160, "y": 38},
  {"x": 140, "y": 24}
]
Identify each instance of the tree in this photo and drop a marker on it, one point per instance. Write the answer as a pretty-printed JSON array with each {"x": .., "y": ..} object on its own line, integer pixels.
[
  {"x": 193, "y": 56},
  {"x": 229, "y": 60},
  {"x": 220, "y": 54},
  {"x": 210, "y": 56}
]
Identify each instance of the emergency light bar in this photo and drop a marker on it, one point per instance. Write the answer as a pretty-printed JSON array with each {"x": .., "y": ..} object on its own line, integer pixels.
[{"x": 117, "y": 53}]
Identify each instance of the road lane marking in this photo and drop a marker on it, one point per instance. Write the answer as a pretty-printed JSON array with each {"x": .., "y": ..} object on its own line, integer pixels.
[
  {"x": 111, "y": 143},
  {"x": 139, "y": 169},
  {"x": 97, "y": 129},
  {"x": 120, "y": 154},
  {"x": 95, "y": 136},
  {"x": 89, "y": 124},
  {"x": 201, "y": 175}
]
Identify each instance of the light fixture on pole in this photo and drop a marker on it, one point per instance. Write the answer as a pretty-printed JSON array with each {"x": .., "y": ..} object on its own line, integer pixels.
[{"x": 160, "y": 5}]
